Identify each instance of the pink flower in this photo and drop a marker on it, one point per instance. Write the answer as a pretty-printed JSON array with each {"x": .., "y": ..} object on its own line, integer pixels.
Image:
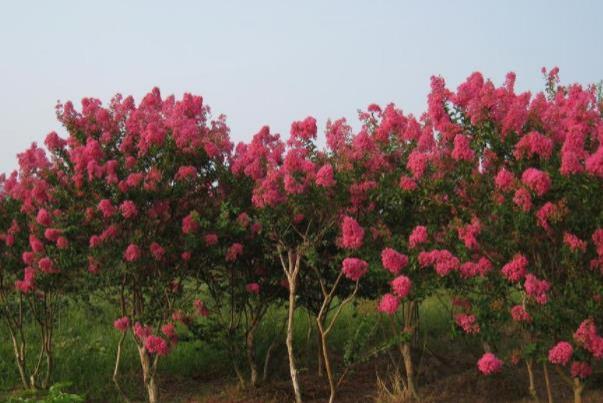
[
  {"x": 142, "y": 332},
  {"x": 169, "y": 330},
  {"x": 537, "y": 289},
  {"x": 62, "y": 242},
  {"x": 352, "y": 233},
  {"x": 52, "y": 234},
  {"x": 401, "y": 286},
  {"x": 186, "y": 172},
  {"x": 200, "y": 308},
  {"x": 189, "y": 223},
  {"x": 305, "y": 130},
  {"x": 519, "y": 314},
  {"x": 594, "y": 163},
  {"x": 504, "y": 180},
  {"x": 324, "y": 176},
  {"x": 26, "y": 285},
  {"x": 467, "y": 322},
  {"x": 243, "y": 219},
  {"x": 538, "y": 181},
  {"x": 587, "y": 337},
  {"x": 543, "y": 215},
  {"x": 132, "y": 253},
  {"x": 573, "y": 242},
  {"x": 515, "y": 270},
  {"x": 561, "y": 353},
  {"x": 489, "y": 364},
  {"x": 417, "y": 237},
  {"x": 468, "y": 234},
  {"x": 388, "y": 304},
  {"x": 523, "y": 199},
  {"x": 27, "y": 257},
  {"x": 156, "y": 345},
  {"x": 157, "y": 251},
  {"x": 408, "y": 184},
  {"x": 253, "y": 288},
  {"x": 36, "y": 245},
  {"x": 442, "y": 260},
  {"x": 46, "y": 265},
  {"x": 106, "y": 208},
  {"x": 234, "y": 251},
  {"x": 354, "y": 268},
  {"x": 462, "y": 148},
  {"x": 581, "y": 370},
  {"x": 534, "y": 143},
  {"x": 393, "y": 260},
  {"x": 122, "y": 324},
  {"x": 417, "y": 164},
  {"x": 128, "y": 209},
  {"x": 210, "y": 239},
  {"x": 43, "y": 218}
]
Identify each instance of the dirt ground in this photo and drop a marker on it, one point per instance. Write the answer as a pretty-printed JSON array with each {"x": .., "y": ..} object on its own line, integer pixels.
[{"x": 438, "y": 382}]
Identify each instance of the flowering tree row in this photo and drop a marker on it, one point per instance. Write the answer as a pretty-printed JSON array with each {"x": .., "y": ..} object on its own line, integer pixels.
[{"x": 491, "y": 196}]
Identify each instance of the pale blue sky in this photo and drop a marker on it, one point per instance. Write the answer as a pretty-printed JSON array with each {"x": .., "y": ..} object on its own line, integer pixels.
[{"x": 271, "y": 62}]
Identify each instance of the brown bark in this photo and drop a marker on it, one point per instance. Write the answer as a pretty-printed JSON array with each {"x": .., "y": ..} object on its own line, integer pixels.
[
  {"x": 291, "y": 268},
  {"x": 547, "y": 381},
  {"x": 532, "y": 383},
  {"x": 578, "y": 388},
  {"x": 149, "y": 365},
  {"x": 251, "y": 359}
]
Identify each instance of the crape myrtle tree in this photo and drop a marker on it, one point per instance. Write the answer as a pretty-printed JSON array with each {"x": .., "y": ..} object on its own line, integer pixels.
[
  {"x": 148, "y": 173},
  {"x": 240, "y": 277},
  {"x": 300, "y": 202},
  {"x": 413, "y": 177},
  {"x": 539, "y": 207},
  {"x": 42, "y": 257}
]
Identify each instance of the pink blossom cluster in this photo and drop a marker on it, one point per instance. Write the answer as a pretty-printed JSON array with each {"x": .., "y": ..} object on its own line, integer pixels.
[
  {"x": 489, "y": 364},
  {"x": 353, "y": 268},
  {"x": 515, "y": 270},
  {"x": 442, "y": 260},
  {"x": 393, "y": 260},
  {"x": 467, "y": 322},
  {"x": 352, "y": 234}
]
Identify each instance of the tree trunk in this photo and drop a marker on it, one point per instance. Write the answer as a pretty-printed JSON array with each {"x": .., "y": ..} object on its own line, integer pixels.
[
  {"x": 406, "y": 350},
  {"x": 409, "y": 368},
  {"x": 292, "y": 279},
  {"x": 20, "y": 359},
  {"x": 251, "y": 359},
  {"x": 549, "y": 393},
  {"x": 327, "y": 364},
  {"x": 532, "y": 387},
  {"x": 578, "y": 387},
  {"x": 148, "y": 375}
]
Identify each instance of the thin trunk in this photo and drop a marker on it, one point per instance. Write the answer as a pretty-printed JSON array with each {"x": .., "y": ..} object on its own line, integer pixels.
[
  {"x": 319, "y": 356},
  {"x": 20, "y": 359},
  {"x": 547, "y": 381},
  {"x": 328, "y": 369},
  {"x": 532, "y": 387},
  {"x": 409, "y": 368},
  {"x": 291, "y": 269},
  {"x": 578, "y": 388},
  {"x": 290, "y": 349},
  {"x": 251, "y": 359},
  {"x": 148, "y": 375},
  {"x": 406, "y": 350}
]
